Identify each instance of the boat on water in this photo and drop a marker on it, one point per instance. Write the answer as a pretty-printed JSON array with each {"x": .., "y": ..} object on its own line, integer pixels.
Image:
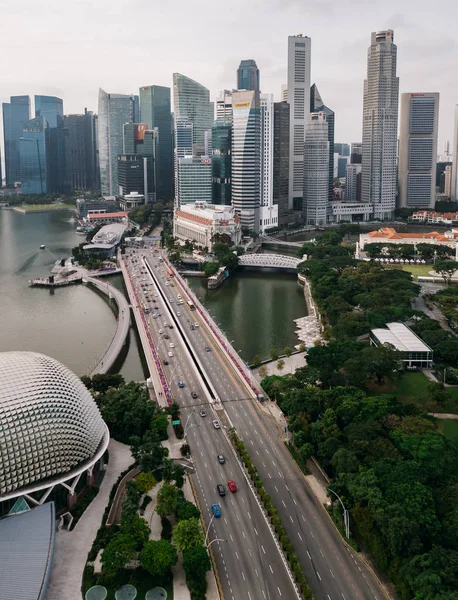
[{"x": 42, "y": 247}]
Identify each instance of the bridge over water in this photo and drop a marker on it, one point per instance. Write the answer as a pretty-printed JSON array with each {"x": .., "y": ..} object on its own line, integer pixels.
[
  {"x": 272, "y": 241},
  {"x": 271, "y": 261}
]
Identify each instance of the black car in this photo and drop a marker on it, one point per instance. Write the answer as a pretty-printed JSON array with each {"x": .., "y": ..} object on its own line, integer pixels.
[
  {"x": 221, "y": 489},
  {"x": 166, "y": 336},
  {"x": 207, "y": 348},
  {"x": 166, "y": 362},
  {"x": 221, "y": 459},
  {"x": 193, "y": 394}
]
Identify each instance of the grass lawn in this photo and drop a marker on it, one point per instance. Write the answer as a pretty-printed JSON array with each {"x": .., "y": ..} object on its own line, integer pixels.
[
  {"x": 47, "y": 207},
  {"x": 416, "y": 270},
  {"x": 449, "y": 428},
  {"x": 412, "y": 387}
]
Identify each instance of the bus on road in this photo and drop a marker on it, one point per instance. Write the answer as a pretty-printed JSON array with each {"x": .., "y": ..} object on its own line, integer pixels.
[{"x": 190, "y": 304}]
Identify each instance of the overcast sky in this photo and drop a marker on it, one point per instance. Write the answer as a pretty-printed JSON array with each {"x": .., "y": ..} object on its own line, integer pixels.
[{"x": 69, "y": 48}]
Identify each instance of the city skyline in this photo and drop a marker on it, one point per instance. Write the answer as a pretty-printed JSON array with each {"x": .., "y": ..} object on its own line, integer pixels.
[{"x": 338, "y": 62}]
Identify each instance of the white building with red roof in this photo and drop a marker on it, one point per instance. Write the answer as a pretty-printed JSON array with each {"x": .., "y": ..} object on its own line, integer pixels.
[{"x": 391, "y": 236}]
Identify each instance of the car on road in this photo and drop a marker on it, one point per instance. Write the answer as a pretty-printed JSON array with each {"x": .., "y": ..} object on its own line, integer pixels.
[
  {"x": 196, "y": 324},
  {"x": 192, "y": 327},
  {"x": 179, "y": 296},
  {"x": 202, "y": 413},
  {"x": 165, "y": 361},
  {"x": 221, "y": 457},
  {"x": 221, "y": 489},
  {"x": 170, "y": 354},
  {"x": 171, "y": 300},
  {"x": 231, "y": 485},
  {"x": 193, "y": 394},
  {"x": 216, "y": 424},
  {"x": 207, "y": 348},
  {"x": 172, "y": 345},
  {"x": 166, "y": 336},
  {"x": 165, "y": 324},
  {"x": 161, "y": 331},
  {"x": 170, "y": 326},
  {"x": 178, "y": 314},
  {"x": 180, "y": 384},
  {"x": 216, "y": 510}
]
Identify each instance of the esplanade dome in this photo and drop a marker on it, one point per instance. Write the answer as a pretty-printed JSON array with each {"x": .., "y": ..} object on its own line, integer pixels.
[{"x": 50, "y": 427}]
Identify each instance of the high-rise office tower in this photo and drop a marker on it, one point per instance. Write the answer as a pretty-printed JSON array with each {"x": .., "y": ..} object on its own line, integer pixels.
[
  {"x": 183, "y": 137},
  {"x": 114, "y": 111},
  {"x": 316, "y": 170},
  {"x": 284, "y": 92},
  {"x": 317, "y": 105},
  {"x": 131, "y": 174},
  {"x": 280, "y": 169},
  {"x": 191, "y": 101},
  {"x": 353, "y": 183},
  {"x": 222, "y": 161},
  {"x": 356, "y": 151},
  {"x": 208, "y": 144},
  {"x": 156, "y": 113},
  {"x": 299, "y": 57},
  {"x": 342, "y": 149},
  {"x": 268, "y": 216},
  {"x": 248, "y": 75},
  {"x": 81, "y": 158},
  {"x": 52, "y": 109},
  {"x": 454, "y": 189},
  {"x": 448, "y": 181},
  {"x": 143, "y": 142},
  {"x": 380, "y": 126},
  {"x": 194, "y": 180},
  {"x": 418, "y": 149},
  {"x": 33, "y": 157},
  {"x": 246, "y": 157},
  {"x": 16, "y": 112},
  {"x": 224, "y": 105}
]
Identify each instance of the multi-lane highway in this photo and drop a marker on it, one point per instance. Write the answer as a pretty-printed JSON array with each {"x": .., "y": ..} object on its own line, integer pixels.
[
  {"x": 248, "y": 560},
  {"x": 334, "y": 572}
]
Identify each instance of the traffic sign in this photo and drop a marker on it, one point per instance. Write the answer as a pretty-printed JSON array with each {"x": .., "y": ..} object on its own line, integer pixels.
[{"x": 177, "y": 422}]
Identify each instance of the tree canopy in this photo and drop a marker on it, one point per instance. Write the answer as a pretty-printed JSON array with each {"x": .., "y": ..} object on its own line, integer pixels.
[
  {"x": 188, "y": 533},
  {"x": 158, "y": 556}
]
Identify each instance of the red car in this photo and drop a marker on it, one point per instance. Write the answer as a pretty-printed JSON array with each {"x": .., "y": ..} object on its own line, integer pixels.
[{"x": 231, "y": 485}]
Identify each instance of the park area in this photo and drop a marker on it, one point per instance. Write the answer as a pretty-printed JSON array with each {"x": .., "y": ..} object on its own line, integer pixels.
[
  {"x": 413, "y": 387},
  {"x": 130, "y": 585},
  {"x": 449, "y": 427}
]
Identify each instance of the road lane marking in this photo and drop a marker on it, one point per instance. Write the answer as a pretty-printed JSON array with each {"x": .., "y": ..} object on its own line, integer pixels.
[
  {"x": 308, "y": 554},
  {"x": 319, "y": 576},
  {"x": 271, "y": 570}
]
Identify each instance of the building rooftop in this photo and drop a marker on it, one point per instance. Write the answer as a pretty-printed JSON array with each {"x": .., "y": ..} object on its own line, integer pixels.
[
  {"x": 401, "y": 337},
  {"x": 26, "y": 548},
  {"x": 104, "y": 215},
  {"x": 206, "y": 214},
  {"x": 388, "y": 233},
  {"x": 110, "y": 234}
]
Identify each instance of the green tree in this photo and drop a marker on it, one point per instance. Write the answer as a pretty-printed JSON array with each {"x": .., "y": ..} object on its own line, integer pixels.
[
  {"x": 281, "y": 364},
  {"x": 382, "y": 361},
  {"x": 167, "y": 500},
  {"x": 263, "y": 372},
  {"x": 136, "y": 527},
  {"x": 306, "y": 451},
  {"x": 160, "y": 424},
  {"x": 119, "y": 550},
  {"x": 158, "y": 557},
  {"x": 211, "y": 268},
  {"x": 287, "y": 350},
  {"x": 446, "y": 269},
  {"x": 188, "y": 533},
  {"x": 102, "y": 382},
  {"x": 273, "y": 353},
  {"x": 187, "y": 510},
  {"x": 302, "y": 347},
  {"x": 256, "y": 362},
  {"x": 145, "y": 482},
  {"x": 196, "y": 562},
  {"x": 438, "y": 393},
  {"x": 147, "y": 451}
]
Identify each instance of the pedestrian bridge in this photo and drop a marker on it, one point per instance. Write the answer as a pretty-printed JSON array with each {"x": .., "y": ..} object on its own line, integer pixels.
[{"x": 271, "y": 261}]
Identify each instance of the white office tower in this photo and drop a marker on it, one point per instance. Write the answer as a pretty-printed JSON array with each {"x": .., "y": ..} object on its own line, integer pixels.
[
  {"x": 246, "y": 157},
  {"x": 455, "y": 158},
  {"x": 448, "y": 181},
  {"x": 316, "y": 170},
  {"x": 380, "y": 125},
  {"x": 269, "y": 212},
  {"x": 352, "y": 182},
  {"x": 194, "y": 180},
  {"x": 284, "y": 92},
  {"x": 418, "y": 150},
  {"x": 299, "y": 57},
  {"x": 224, "y": 105},
  {"x": 192, "y": 101},
  {"x": 183, "y": 147}
]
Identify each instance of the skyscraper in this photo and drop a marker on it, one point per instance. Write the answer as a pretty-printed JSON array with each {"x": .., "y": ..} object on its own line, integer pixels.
[
  {"x": 342, "y": 149},
  {"x": 316, "y": 170},
  {"x": 33, "y": 157},
  {"x": 191, "y": 101},
  {"x": 317, "y": 105},
  {"x": 284, "y": 92},
  {"x": 268, "y": 216},
  {"x": 418, "y": 150},
  {"x": 356, "y": 151},
  {"x": 131, "y": 174},
  {"x": 50, "y": 107},
  {"x": 81, "y": 160},
  {"x": 280, "y": 167},
  {"x": 454, "y": 186},
  {"x": 248, "y": 75},
  {"x": 224, "y": 105},
  {"x": 15, "y": 113},
  {"x": 380, "y": 125},
  {"x": 246, "y": 157},
  {"x": 194, "y": 180},
  {"x": 299, "y": 57},
  {"x": 143, "y": 142},
  {"x": 448, "y": 181},
  {"x": 114, "y": 111},
  {"x": 353, "y": 182},
  {"x": 156, "y": 112},
  {"x": 222, "y": 161}
]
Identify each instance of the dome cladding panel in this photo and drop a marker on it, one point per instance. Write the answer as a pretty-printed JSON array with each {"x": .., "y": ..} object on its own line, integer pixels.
[{"x": 49, "y": 422}]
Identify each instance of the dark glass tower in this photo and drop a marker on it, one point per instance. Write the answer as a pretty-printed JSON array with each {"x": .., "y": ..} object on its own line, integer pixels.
[
  {"x": 81, "y": 151},
  {"x": 33, "y": 156},
  {"x": 156, "y": 113},
  {"x": 248, "y": 75},
  {"x": 130, "y": 174},
  {"x": 317, "y": 105},
  {"x": 141, "y": 141},
  {"x": 52, "y": 109},
  {"x": 222, "y": 162},
  {"x": 280, "y": 171},
  {"x": 16, "y": 112}
]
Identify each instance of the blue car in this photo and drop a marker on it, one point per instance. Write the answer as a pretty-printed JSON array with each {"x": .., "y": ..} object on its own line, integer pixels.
[
  {"x": 180, "y": 384},
  {"x": 216, "y": 510}
]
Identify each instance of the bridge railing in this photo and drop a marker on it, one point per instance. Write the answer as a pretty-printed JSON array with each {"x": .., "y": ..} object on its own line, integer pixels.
[{"x": 235, "y": 359}]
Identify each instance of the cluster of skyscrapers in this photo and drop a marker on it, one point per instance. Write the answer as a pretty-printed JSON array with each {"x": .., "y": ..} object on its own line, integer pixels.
[{"x": 275, "y": 162}]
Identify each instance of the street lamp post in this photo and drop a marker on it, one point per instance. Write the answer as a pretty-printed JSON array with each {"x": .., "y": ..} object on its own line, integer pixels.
[
  {"x": 215, "y": 540},
  {"x": 345, "y": 514}
]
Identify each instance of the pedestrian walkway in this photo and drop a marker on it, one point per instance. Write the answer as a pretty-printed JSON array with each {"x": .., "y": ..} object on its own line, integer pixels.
[
  {"x": 291, "y": 363},
  {"x": 72, "y": 547}
]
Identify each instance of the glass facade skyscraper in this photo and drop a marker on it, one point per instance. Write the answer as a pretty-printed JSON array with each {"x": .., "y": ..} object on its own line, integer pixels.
[
  {"x": 114, "y": 111},
  {"x": 52, "y": 109},
  {"x": 281, "y": 161},
  {"x": 16, "y": 112},
  {"x": 156, "y": 113},
  {"x": 222, "y": 161},
  {"x": 317, "y": 105},
  {"x": 248, "y": 75},
  {"x": 80, "y": 149},
  {"x": 143, "y": 142},
  {"x": 192, "y": 101},
  {"x": 33, "y": 156}
]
